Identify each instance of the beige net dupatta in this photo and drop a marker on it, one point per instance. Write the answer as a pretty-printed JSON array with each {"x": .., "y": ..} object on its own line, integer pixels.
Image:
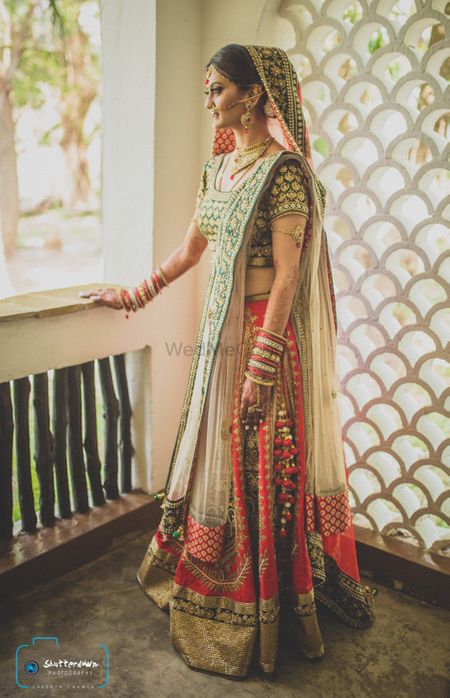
[
  {"x": 313, "y": 310},
  {"x": 200, "y": 475},
  {"x": 203, "y": 465}
]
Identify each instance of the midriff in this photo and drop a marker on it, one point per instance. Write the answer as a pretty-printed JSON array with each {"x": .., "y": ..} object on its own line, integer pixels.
[{"x": 258, "y": 280}]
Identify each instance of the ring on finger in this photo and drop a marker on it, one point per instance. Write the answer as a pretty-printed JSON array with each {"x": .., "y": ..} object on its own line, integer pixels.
[{"x": 254, "y": 408}]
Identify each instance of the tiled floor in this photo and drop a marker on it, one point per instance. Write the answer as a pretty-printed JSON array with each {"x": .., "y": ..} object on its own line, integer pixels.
[{"x": 402, "y": 656}]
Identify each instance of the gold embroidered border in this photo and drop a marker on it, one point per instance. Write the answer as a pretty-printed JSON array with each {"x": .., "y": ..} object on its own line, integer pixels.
[
  {"x": 352, "y": 601},
  {"x": 269, "y": 616},
  {"x": 205, "y": 644},
  {"x": 304, "y": 604},
  {"x": 155, "y": 575},
  {"x": 247, "y": 610}
]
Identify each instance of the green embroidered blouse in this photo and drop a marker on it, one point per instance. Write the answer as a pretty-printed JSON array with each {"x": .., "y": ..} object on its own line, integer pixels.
[{"x": 287, "y": 193}]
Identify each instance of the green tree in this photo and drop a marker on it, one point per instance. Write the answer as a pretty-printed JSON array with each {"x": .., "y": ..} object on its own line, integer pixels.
[{"x": 42, "y": 42}]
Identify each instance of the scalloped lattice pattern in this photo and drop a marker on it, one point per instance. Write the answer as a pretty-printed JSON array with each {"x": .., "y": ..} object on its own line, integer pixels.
[{"x": 374, "y": 78}]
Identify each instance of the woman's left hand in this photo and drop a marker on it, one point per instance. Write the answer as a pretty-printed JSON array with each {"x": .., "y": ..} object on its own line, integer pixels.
[{"x": 249, "y": 398}]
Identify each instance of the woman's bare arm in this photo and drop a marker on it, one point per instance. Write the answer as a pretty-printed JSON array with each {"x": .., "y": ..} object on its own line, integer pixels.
[
  {"x": 177, "y": 263},
  {"x": 286, "y": 258},
  {"x": 185, "y": 256}
]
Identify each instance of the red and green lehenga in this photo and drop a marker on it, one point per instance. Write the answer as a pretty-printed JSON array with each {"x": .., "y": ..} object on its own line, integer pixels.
[
  {"x": 222, "y": 561},
  {"x": 225, "y": 612}
]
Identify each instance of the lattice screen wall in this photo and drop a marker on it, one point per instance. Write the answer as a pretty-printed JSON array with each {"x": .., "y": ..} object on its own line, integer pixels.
[{"x": 373, "y": 78}]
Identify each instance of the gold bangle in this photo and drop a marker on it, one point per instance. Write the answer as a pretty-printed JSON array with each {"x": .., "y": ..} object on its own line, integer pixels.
[
  {"x": 162, "y": 276},
  {"x": 258, "y": 380},
  {"x": 275, "y": 334},
  {"x": 142, "y": 293},
  {"x": 152, "y": 288},
  {"x": 263, "y": 366},
  {"x": 274, "y": 345},
  {"x": 266, "y": 354}
]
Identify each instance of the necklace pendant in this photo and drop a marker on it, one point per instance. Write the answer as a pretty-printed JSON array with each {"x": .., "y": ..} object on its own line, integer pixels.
[{"x": 232, "y": 176}]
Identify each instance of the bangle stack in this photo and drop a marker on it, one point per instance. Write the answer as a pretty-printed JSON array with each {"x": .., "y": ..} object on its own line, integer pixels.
[
  {"x": 143, "y": 293},
  {"x": 266, "y": 357}
]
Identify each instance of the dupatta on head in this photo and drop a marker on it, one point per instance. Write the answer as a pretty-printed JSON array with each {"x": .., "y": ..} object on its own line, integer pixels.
[{"x": 204, "y": 438}]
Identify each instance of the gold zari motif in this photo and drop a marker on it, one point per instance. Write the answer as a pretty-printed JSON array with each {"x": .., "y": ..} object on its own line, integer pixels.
[{"x": 288, "y": 193}]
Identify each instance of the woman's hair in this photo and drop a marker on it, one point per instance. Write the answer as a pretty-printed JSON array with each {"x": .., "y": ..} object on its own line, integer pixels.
[{"x": 233, "y": 60}]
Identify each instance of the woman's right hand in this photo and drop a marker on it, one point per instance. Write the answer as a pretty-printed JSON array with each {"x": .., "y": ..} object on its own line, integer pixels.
[{"x": 108, "y": 296}]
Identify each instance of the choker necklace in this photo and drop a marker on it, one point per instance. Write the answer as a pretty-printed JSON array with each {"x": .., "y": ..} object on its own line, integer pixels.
[{"x": 248, "y": 154}]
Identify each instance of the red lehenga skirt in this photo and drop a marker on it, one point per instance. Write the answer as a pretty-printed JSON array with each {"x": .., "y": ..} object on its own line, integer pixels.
[{"x": 225, "y": 613}]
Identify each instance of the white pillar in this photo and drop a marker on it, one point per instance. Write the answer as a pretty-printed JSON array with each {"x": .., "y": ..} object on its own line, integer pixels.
[{"x": 151, "y": 169}]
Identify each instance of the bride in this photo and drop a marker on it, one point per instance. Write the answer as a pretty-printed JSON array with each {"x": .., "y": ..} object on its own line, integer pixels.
[{"x": 256, "y": 527}]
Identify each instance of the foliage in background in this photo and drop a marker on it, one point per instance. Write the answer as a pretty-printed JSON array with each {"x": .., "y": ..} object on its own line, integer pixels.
[{"x": 43, "y": 46}]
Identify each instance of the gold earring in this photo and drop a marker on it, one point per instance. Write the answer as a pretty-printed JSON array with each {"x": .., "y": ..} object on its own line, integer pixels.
[{"x": 247, "y": 118}]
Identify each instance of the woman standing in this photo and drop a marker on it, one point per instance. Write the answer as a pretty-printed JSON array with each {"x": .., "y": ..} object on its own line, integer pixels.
[{"x": 256, "y": 520}]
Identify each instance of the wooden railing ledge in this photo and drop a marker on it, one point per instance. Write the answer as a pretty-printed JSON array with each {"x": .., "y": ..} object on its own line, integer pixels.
[{"x": 56, "y": 301}]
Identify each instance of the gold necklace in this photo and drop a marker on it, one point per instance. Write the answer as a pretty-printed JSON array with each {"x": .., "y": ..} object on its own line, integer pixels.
[
  {"x": 221, "y": 180},
  {"x": 248, "y": 154}
]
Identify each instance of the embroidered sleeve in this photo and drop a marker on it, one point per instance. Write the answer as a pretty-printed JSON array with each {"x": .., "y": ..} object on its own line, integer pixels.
[
  {"x": 202, "y": 187},
  {"x": 289, "y": 191}
]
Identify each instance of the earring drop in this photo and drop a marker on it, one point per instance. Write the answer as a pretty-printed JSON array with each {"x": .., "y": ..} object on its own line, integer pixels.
[{"x": 247, "y": 118}]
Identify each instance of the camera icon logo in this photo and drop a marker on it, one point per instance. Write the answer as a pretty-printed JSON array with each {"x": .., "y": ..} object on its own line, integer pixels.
[{"x": 31, "y": 667}]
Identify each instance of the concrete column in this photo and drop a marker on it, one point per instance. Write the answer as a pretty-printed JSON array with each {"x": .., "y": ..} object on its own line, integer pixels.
[{"x": 151, "y": 169}]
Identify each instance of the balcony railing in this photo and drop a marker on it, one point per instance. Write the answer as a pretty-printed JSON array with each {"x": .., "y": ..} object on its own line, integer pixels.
[{"x": 66, "y": 438}]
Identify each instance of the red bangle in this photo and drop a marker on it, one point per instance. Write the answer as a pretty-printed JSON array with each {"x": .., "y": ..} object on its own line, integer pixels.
[
  {"x": 266, "y": 347},
  {"x": 147, "y": 290},
  {"x": 125, "y": 297},
  {"x": 265, "y": 360},
  {"x": 279, "y": 346},
  {"x": 260, "y": 372},
  {"x": 157, "y": 281},
  {"x": 138, "y": 297}
]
